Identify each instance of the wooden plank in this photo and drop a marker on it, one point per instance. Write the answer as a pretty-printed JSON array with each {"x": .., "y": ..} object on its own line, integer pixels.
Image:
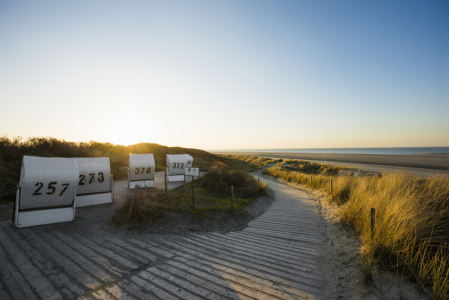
[
  {"x": 4, "y": 295},
  {"x": 35, "y": 278},
  {"x": 275, "y": 257},
  {"x": 308, "y": 242},
  {"x": 97, "y": 240},
  {"x": 47, "y": 267},
  {"x": 69, "y": 267},
  {"x": 306, "y": 283},
  {"x": 257, "y": 260},
  {"x": 169, "y": 286},
  {"x": 152, "y": 247},
  {"x": 101, "y": 294},
  {"x": 279, "y": 248},
  {"x": 118, "y": 292},
  {"x": 126, "y": 245},
  {"x": 15, "y": 283},
  {"x": 135, "y": 289},
  {"x": 223, "y": 270},
  {"x": 203, "y": 257},
  {"x": 212, "y": 283},
  {"x": 188, "y": 285},
  {"x": 237, "y": 283},
  {"x": 93, "y": 269},
  {"x": 286, "y": 244},
  {"x": 106, "y": 252},
  {"x": 100, "y": 260},
  {"x": 238, "y": 249}
]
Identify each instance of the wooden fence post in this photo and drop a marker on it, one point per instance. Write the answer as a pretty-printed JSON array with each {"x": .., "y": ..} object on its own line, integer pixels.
[
  {"x": 166, "y": 188},
  {"x": 136, "y": 189},
  {"x": 310, "y": 179},
  {"x": 112, "y": 187},
  {"x": 331, "y": 188},
  {"x": 232, "y": 197},
  {"x": 193, "y": 193},
  {"x": 373, "y": 217}
]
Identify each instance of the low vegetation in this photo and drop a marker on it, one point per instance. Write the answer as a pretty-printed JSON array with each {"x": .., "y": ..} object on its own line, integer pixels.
[
  {"x": 13, "y": 150},
  {"x": 411, "y": 220},
  {"x": 212, "y": 199},
  {"x": 312, "y": 168},
  {"x": 247, "y": 163}
]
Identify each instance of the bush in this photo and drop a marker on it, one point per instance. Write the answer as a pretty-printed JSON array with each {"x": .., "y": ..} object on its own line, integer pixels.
[{"x": 221, "y": 177}]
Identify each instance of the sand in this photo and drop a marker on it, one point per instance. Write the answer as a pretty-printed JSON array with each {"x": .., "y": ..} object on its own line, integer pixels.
[{"x": 428, "y": 161}]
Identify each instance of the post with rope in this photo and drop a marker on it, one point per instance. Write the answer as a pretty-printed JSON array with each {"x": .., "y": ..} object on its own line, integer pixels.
[
  {"x": 232, "y": 197},
  {"x": 373, "y": 217},
  {"x": 310, "y": 180}
]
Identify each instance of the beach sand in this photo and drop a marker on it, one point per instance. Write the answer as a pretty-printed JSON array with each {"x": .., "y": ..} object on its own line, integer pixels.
[{"x": 428, "y": 161}]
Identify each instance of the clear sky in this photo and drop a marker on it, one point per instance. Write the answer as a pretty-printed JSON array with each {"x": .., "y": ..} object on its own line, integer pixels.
[{"x": 227, "y": 74}]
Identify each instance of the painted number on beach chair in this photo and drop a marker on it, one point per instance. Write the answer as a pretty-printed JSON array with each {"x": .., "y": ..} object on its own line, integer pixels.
[
  {"x": 143, "y": 169},
  {"x": 176, "y": 165},
  {"x": 51, "y": 188},
  {"x": 100, "y": 178}
]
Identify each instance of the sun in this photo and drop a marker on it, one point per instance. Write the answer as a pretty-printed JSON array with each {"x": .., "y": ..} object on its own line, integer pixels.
[{"x": 127, "y": 132}]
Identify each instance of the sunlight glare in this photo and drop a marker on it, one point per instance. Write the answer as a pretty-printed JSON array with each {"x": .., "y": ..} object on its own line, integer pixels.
[{"x": 127, "y": 132}]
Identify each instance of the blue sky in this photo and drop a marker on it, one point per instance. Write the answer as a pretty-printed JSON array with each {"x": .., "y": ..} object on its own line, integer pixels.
[{"x": 227, "y": 74}]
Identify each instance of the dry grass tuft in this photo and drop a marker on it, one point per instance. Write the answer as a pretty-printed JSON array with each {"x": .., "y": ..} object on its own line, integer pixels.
[
  {"x": 312, "y": 168},
  {"x": 411, "y": 225},
  {"x": 247, "y": 163}
]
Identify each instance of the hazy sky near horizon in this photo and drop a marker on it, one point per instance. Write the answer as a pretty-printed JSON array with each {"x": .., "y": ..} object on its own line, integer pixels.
[{"x": 227, "y": 74}]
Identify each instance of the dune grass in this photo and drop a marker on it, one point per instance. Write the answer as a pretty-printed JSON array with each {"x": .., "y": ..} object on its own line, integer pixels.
[
  {"x": 312, "y": 168},
  {"x": 411, "y": 224},
  {"x": 13, "y": 150},
  {"x": 212, "y": 198},
  {"x": 246, "y": 163}
]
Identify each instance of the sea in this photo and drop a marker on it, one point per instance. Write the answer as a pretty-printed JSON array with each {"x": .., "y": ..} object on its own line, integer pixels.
[{"x": 397, "y": 150}]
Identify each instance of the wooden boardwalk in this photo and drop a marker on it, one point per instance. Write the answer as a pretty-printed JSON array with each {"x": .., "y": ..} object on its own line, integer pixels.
[{"x": 275, "y": 257}]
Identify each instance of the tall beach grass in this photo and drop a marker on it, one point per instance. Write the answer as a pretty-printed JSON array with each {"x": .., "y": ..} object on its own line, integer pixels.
[
  {"x": 245, "y": 162},
  {"x": 411, "y": 224}
]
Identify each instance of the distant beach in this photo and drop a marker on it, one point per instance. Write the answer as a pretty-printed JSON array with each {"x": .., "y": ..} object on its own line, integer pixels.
[
  {"x": 436, "y": 161},
  {"x": 384, "y": 150}
]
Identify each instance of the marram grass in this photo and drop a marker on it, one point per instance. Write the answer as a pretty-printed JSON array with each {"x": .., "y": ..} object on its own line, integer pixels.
[
  {"x": 245, "y": 162},
  {"x": 411, "y": 224}
]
